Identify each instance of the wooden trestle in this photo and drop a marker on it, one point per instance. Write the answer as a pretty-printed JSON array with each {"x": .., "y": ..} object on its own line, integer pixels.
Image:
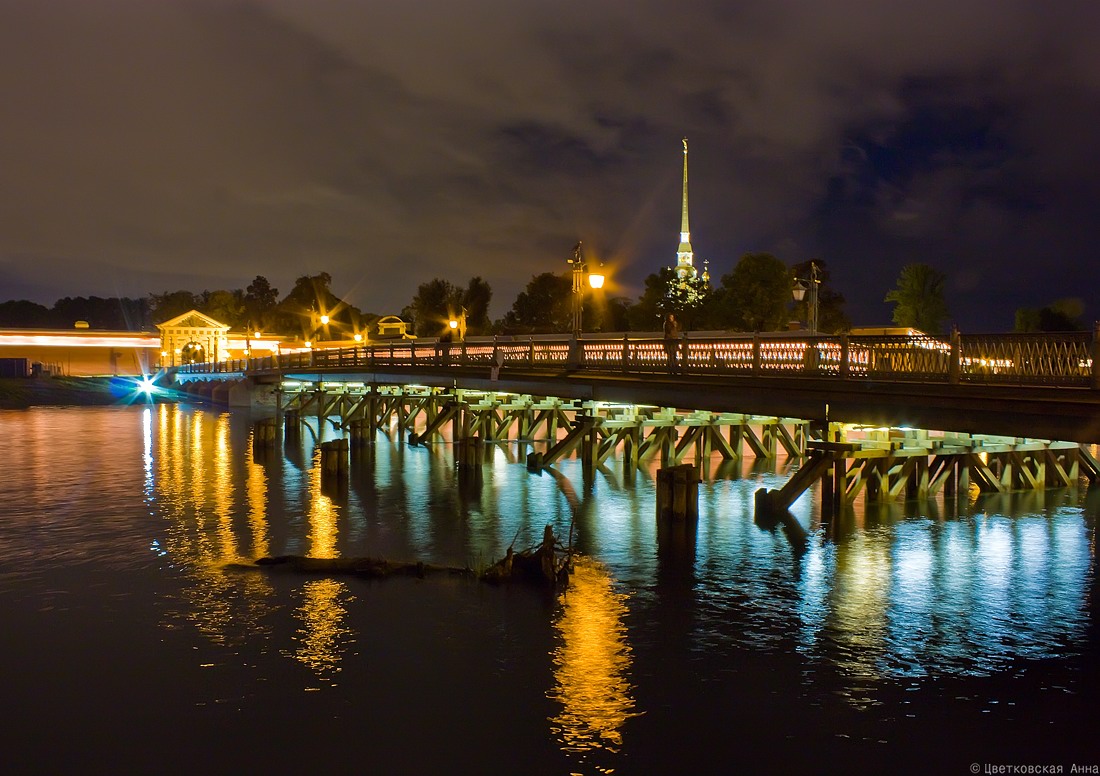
[
  {"x": 594, "y": 429},
  {"x": 883, "y": 466},
  {"x": 913, "y": 464}
]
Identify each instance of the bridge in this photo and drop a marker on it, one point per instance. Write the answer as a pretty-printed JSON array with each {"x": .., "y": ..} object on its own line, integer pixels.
[
  {"x": 881, "y": 415},
  {"x": 1019, "y": 385}
]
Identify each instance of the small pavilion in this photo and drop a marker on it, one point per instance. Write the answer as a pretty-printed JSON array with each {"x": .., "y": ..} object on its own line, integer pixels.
[{"x": 192, "y": 338}]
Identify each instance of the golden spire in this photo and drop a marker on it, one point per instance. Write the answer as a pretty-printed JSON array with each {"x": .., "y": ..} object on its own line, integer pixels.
[{"x": 684, "y": 254}]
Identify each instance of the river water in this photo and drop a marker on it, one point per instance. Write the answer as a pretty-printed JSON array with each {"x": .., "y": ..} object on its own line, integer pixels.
[{"x": 935, "y": 637}]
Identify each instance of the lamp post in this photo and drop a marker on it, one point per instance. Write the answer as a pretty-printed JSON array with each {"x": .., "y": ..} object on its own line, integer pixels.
[
  {"x": 580, "y": 275},
  {"x": 799, "y": 293},
  {"x": 457, "y": 325}
]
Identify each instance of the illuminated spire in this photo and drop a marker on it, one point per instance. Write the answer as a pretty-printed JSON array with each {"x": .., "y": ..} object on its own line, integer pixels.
[{"x": 684, "y": 255}]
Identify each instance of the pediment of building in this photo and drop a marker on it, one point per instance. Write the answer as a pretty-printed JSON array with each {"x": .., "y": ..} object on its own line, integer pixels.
[{"x": 193, "y": 319}]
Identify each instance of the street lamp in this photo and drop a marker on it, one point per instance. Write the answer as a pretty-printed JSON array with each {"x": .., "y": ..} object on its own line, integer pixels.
[
  {"x": 457, "y": 325},
  {"x": 580, "y": 275},
  {"x": 799, "y": 293}
]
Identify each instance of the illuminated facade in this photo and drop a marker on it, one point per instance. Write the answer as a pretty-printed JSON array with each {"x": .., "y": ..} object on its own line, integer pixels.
[
  {"x": 192, "y": 338},
  {"x": 80, "y": 352}
]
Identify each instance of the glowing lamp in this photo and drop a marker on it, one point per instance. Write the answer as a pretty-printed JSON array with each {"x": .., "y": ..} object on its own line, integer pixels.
[
  {"x": 324, "y": 320},
  {"x": 452, "y": 323},
  {"x": 358, "y": 337},
  {"x": 596, "y": 279}
]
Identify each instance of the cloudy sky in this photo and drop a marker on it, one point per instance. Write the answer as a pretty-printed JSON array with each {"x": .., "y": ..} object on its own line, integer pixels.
[{"x": 156, "y": 145}]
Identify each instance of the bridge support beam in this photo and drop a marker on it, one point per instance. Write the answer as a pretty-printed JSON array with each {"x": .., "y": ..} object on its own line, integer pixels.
[{"x": 886, "y": 469}]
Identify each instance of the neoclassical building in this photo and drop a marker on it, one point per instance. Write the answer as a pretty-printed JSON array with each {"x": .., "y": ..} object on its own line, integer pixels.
[{"x": 192, "y": 338}]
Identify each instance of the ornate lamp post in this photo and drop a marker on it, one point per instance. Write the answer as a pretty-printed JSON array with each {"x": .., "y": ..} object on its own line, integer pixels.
[
  {"x": 580, "y": 275},
  {"x": 799, "y": 293}
]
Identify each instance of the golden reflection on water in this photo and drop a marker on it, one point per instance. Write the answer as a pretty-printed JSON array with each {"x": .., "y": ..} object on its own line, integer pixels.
[
  {"x": 591, "y": 663},
  {"x": 256, "y": 490},
  {"x": 223, "y": 489},
  {"x": 194, "y": 479},
  {"x": 322, "y": 517},
  {"x": 323, "y": 637}
]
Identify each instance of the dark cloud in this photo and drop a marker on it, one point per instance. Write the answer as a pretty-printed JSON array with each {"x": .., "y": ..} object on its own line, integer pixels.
[{"x": 148, "y": 146}]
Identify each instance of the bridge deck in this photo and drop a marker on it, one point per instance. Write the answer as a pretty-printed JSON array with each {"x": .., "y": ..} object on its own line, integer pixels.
[{"x": 1036, "y": 386}]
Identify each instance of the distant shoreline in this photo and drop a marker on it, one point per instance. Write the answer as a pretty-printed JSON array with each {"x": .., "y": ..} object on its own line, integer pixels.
[{"x": 21, "y": 393}]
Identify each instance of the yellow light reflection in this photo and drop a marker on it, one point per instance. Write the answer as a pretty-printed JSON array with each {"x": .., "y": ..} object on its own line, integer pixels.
[
  {"x": 322, "y": 518},
  {"x": 222, "y": 481},
  {"x": 256, "y": 488},
  {"x": 591, "y": 663},
  {"x": 323, "y": 637}
]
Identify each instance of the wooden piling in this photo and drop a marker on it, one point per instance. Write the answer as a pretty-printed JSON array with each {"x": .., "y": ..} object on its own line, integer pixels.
[
  {"x": 265, "y": 433},
  {"x": 292, "y": 423},
  {"x": 469, "y": 452},
  {"x": 334, "y": 457},
  {"x": 361, "y": 431},
  {"x": 678, "y": 493}
]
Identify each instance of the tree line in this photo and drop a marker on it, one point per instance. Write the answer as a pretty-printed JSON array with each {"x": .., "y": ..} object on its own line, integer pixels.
[{"x": 754, "y": 296}]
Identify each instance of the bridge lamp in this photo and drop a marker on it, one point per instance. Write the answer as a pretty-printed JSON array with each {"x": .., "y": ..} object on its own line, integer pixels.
[
  {"x": 309, "y": 344},
  {"x": 457, "y": 325},
  {"x": 324, "y": 320},
  {"x": 358, "y": 337},
  {"x": 799, "y": 293},
  {"x": 581, "y": 275}
]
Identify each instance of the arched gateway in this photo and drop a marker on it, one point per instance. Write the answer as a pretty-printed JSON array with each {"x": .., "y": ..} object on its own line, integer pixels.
[{"x": 191, "y": 338}]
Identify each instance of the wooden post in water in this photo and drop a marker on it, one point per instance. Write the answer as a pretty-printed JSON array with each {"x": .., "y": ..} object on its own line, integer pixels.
[
  {"x": 678, "y": 493},
  {"x": 292, "y": 422},
  {"x": 265, "y": 432},
  {"x": 469, "y": 450},
  {"x": 360, "y": 430},
  {"x": 334, "y": 458}
]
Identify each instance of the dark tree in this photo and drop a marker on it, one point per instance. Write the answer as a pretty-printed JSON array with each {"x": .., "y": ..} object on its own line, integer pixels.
[
  {"x": 475, "y": 299},
  {"x": 227, "y": 307},
  {"x": 113, "y": 314},
  {"x": 260, "y": 300},
  {"x": 755, "y": 295},
  {"x": 666, "y": 293},
  {"x": 919, "y": 298},
  {"x": 544, "y": 306},
  {"x": 302, "y": 311},
  {"x": 1062, "y": 315},
  {"x": 23, "y": 314},
  {"x": 646, "y": 315},
  {"x": 435, "y": 303},
  {"x": 168, "y": 305}
]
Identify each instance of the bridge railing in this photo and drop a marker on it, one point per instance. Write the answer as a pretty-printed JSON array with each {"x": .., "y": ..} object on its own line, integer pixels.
[{"x": 1068, "y": 359}]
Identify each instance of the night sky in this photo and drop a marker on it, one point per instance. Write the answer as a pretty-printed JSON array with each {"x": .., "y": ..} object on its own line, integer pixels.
[{"x": 156, "y": 145}]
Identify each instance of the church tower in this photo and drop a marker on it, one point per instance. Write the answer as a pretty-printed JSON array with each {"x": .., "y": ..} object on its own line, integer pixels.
[{"x": 685, "y": 257}]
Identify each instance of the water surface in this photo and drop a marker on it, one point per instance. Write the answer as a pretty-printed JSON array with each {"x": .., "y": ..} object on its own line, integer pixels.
[{"x": 911, "y": 636}]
